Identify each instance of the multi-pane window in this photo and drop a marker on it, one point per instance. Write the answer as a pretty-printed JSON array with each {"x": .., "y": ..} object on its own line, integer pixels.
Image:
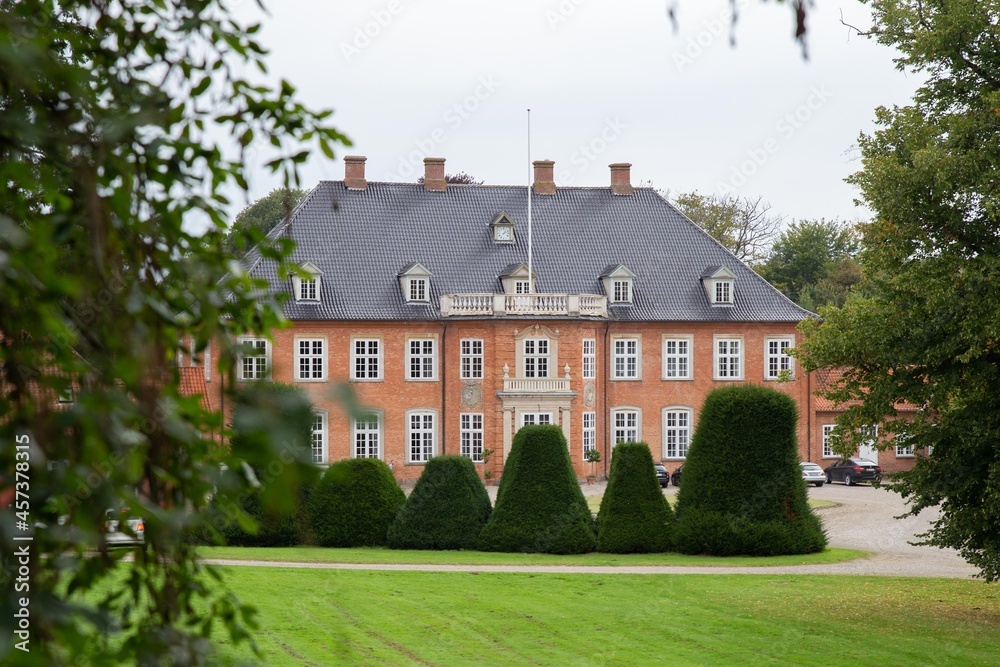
[
  {"x": 589, "y": 358},
  {"x": 310, "y": 355},
  {"x": 828, "y": 452},
  {"x": 367, "y": 438},
  {"x": 471, "y": 367},
  {"x": 622, "y": 290},
  {"x": 677, "y": 358},
  {"x": 420, "y": 434},
  {"x": 421, "y": 359},
  {"x": 522, "y": 287},
  {"x": 253, "y": 365},
  {"x": 723, "y": 291},
  {"x": 471, "y": 435},
  {"x": 676, "y": 433},
  {"x": 903, "y": 449},
  {"x": 533, "y": 418},
  {"x": 777, "y": 360},
  {"x": 626, "y": 358},
  {"x": 625, "y": 425},
  {"x": 589, "y": 431},
  {"x": 728, "y": 359},
  {"x": 366, "y": 359},
  {"x": 308, "y": 289},
  {"x": 536, "y": 358},
  {"x": 319, "y": 449},
  {"x": 418, "y": 289}
]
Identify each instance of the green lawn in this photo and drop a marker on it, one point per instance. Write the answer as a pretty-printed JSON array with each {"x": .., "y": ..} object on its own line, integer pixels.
[
  {"x": 335, "y": 617},
  {"x": 380, "y": 555}
]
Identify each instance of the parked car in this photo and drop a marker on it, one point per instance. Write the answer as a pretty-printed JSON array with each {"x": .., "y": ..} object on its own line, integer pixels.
[
  {"x": 122, "y": 530},
  {"x": 675, "y": 477},
  {"x": 662, "y": 476},
  {"x": 813, "y": 474},
  {"x": 853, "y": 470}
]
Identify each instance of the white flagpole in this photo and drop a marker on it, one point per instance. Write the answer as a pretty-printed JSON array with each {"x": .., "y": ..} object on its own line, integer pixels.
[{"x": 531, "y": 276}]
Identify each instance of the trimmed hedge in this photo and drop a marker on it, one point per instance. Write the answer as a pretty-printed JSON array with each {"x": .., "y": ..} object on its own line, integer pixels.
[
  {"x": 354, "y": 504},
  {"x": 540, "y": 507},
  {"x": 274, "y": 529},
  {"x": 635, "y": 516},
  {"x": 743, "y": 492},
  {"x": 447, "y": 508}
]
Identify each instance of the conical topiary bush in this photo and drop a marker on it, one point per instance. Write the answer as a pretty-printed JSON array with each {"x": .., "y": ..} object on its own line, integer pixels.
[
  {"x": 540, "y": 507},
  {"x": 447, "y": 508},
  {"x": 743, "y": 492},
  {"x": 635, "y": 516}
]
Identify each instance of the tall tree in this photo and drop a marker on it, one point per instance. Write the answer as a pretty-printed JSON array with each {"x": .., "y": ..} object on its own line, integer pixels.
[
  {"x": 115, "y": 120},
  {"x": 812, "y": 262},
  {"x": 925, "y": 330},
  {"x": 744, "y": 225},
  {"x": 262, "y": 215}
]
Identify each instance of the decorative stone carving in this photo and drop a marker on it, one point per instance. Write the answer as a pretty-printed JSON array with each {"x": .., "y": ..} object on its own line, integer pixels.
[
  {"x": 506, "y": 372},
  {"x": 589, "y": 394},
  {"x": 566, "y": 370},
  {"x": 472, "y": 395}
]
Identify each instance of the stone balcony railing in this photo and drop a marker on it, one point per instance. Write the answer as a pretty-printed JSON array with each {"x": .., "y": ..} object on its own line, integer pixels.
[
  {"x": 535, "y": 385},
  {"x": 569, "y": 305}
]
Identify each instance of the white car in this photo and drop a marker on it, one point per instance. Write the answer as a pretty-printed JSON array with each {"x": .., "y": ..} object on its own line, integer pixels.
[
  {"x": 813, "y": 474},
  {"x": 121, "y": 530}
]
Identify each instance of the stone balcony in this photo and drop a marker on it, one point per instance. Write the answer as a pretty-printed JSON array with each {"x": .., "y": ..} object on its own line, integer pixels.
[
  {"x": 535, "y": 385},
  {"x": 492, "y": 305}
]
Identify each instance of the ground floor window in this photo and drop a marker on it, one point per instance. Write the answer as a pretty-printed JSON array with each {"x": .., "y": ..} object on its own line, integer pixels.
[
  {"x": 828, "y": 452},
  {"x": 367, "y": 438},
  {"x": 532, "y": 418},
  {"x": 676, "y": 432},
  {"x": 421, "y": 434},
  {"x": 589, "y": 431},
  {"x": 625, "y": 424},
  {"x": 471, "y": 435},
  {"x": 319, "y": 441}
]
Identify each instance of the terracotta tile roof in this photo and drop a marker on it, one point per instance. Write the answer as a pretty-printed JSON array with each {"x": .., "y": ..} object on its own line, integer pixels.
[
  {"x": 828, "y": 376},
  {"x": 192, "y": 383}
]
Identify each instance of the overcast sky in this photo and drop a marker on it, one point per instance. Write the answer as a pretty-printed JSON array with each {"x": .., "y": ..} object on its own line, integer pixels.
[{"x": 606, "y": 82}]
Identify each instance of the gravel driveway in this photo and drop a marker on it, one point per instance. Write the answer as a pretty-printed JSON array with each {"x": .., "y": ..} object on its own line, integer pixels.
[{"x": 863, "y": 519}]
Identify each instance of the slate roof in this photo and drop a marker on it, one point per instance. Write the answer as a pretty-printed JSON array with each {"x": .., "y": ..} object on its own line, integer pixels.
[{"x": 360, "y": 238}]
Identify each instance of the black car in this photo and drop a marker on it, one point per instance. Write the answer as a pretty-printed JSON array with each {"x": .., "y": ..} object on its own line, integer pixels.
[
  {"x": 675, "y": 478},
  {"x": 662, "y": 476},
  {"x": 853, "y": 470}
]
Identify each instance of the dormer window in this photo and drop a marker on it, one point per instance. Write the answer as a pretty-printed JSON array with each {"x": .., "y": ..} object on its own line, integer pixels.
[
  {"x": 515, "y": 279},
  {"x": 719, "y": 285},
  {"x": 307, "y": 287},
  {"x": 618, "y": 283},
  {"x": 415, "y": 281},
  {"x": 503, "y": 229},
  {"x": 522, "y": 287}
]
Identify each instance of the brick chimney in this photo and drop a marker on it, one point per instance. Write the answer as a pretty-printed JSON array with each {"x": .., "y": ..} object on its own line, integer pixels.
[
  {"x": 434, "y": 174},
  {"x": 621, "y": 178},
  {"x": 354, "y": 172},
  {"x": 545, "y": 183}
]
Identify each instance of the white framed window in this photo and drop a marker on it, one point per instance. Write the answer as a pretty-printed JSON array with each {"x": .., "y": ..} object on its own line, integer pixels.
[
  {"x": 676, "y": 432},
  {"x": 310, "y": 355},
  {"x": 534, "y": 418},
  {"x": 622, "y": 291},
  {"x": 903, "y": 450},
  {"x": 776, "y": 358},
  {"x": 677, "y": 357},
  {"x": 828, "y": 452},
  {"x": 589, "y": 431},
  {"x": 366, "y": 359},
  {"x": 471, "y": 353},
  {"x": 320, "y": 450},
  {"x": 626, "y": 359},
  {"x": 421, "y": 435},
  {"x": 626, "y": 425},
  {"x": 367, "y": 437},
  {"x": 536, "y": 357},
  {"x": 522, "y": 287},
  {"x": 193, "y": 352},
  {"x": 728, "y": 358},
  {"x": 417, "y": 290},
  {"x": 723, "y": 291},
  {"x": 470, "y": 430},
  {"x": 308, "y": 289},
  {"x": 255, "y": 365},
  {"x": 420, "y": 359},
  {"x": 589, "y": 358}
]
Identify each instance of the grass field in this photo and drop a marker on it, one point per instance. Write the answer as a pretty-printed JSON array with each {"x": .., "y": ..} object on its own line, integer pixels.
[
  {"x": 378, "y": 555},
  {"x": 332, "y": 617}
]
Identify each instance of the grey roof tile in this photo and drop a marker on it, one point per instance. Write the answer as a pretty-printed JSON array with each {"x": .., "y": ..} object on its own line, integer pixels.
[{"x": 361, "y": 238}]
